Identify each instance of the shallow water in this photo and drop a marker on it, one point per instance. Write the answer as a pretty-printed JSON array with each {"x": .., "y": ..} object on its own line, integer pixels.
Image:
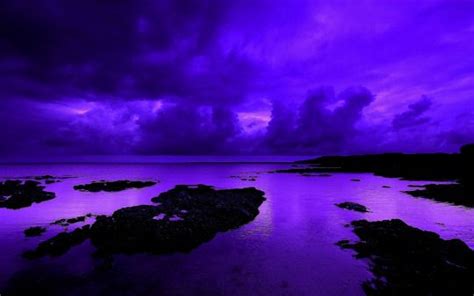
[{"x": 289, "y": 249}]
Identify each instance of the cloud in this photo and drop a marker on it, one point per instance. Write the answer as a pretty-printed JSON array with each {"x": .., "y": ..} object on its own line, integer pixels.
[
  {"x": 189, "y": 129},
  {"x": 413, "y": 117},
  {"x": 190, "y": 76},
  {"x": 125, "y": 50},
  {"x": 316, "y": 128}
]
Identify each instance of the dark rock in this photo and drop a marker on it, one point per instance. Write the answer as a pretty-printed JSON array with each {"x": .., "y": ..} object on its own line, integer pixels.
[
  {"x": 408, "y": 261},
  {"x": 15, "y": 194},
  {"x": 34, "y": 231},
  {"x": 185, "y": 217},
  {"x": 45, "y": 177},
  {"x": 113, "y": 186},
  {"x": 386, "y": 186},
  {"x": 345, "y": 243},
  {"x": 59, "y": 244},
  {"x": 353, "y": 206},
  {"x": 457, "y": 194},
  {"x": 355, "y": 180},
  {"x": 431, "y": 166},
  {"x": 67, "y": 222}
]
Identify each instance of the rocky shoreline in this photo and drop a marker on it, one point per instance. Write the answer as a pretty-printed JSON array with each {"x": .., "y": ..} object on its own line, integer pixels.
[{"x": 457, "y": 167}]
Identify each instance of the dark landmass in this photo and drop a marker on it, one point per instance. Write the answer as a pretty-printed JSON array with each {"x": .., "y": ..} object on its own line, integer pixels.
[
  {"x": 456, "y": 194},
  {"x": 353, "y": 206},
  {"x": 430, "y": 167},
  {"x": 422, "y": 167},
  {"x": 15, "y": 194},
  {"x": 408, "y": 261},
  {"x": 113, "y": 186},
  {"x": 415, "y": 167},
  {"x": 183, "y": 218},
  {"x": 386, "y": 186},
  {"x": 355, "y": 180},
  {"x": 67, "y": 222},
  {"x": 34, "y": 231}
]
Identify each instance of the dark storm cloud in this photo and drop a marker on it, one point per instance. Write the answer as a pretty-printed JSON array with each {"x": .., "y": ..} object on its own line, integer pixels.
[
  {"x": 188, "y": 129},
  {"x": 319, "y": 127},
  {"x": 414, "y": 116},
  {"x": 119, "y": 49},
  {"x": 206, "y": 77}
]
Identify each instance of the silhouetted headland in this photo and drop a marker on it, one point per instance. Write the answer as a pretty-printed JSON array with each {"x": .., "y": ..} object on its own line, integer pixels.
[{"x": 456, "y": 167}]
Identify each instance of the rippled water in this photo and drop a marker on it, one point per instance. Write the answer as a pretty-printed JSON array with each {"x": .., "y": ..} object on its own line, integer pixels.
[{"x": 287, "y": 250}]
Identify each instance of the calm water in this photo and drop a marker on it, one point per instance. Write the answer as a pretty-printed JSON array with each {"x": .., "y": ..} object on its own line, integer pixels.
[{"x": 287, "y": 250}]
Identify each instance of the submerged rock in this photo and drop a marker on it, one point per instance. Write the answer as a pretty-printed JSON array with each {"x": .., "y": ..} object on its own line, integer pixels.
[
  {"x": 185, "y": 217},
  {"x": 408, "y": 261},
  {"x": 15, "y": 194},
  {"x": 34, "y": 231},
  {"x": 59, "y": 244},
  {"x": 113, "y": 186},
  {"x": 353, "y": 206}
]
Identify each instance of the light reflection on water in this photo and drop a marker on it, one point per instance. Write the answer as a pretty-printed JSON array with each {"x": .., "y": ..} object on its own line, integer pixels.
[{"x": 287, "y": 250}]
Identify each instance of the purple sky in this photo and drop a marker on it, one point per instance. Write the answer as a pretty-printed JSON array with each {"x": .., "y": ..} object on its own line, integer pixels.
[{"x": 83, "y": 77}]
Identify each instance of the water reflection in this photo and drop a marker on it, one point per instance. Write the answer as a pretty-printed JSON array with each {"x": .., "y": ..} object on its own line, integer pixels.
[{"x": 287, "y": 250}]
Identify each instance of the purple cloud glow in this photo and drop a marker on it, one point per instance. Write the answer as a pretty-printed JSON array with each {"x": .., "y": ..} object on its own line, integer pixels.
[{"x": 238, "y": 77}]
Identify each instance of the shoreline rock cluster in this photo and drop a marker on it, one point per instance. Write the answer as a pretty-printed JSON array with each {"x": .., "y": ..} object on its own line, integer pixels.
[
  {"x": 16, "y": 194},
  {"x": 183, "y": 218},
  {"x": 408, "y": 261}
]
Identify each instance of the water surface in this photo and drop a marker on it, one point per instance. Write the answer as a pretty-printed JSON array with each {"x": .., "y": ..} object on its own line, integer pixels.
[{"x": 287, "y": 250}]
